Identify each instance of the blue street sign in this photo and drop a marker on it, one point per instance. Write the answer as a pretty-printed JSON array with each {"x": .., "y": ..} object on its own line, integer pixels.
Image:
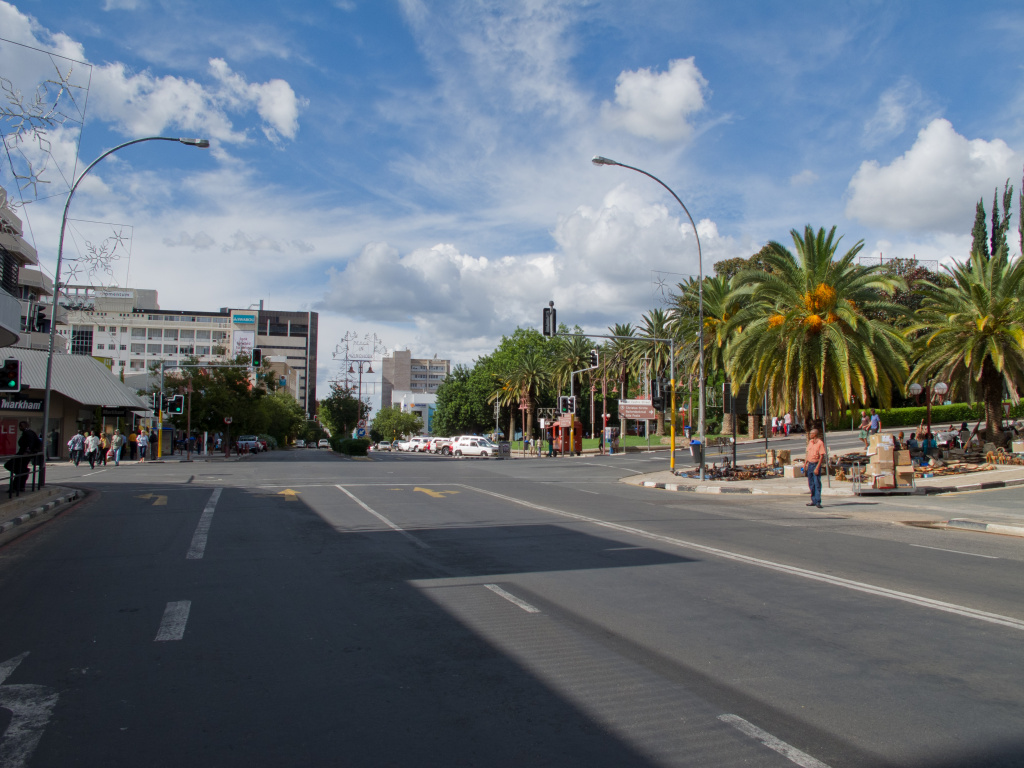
[{"x": 361, "y": 432}]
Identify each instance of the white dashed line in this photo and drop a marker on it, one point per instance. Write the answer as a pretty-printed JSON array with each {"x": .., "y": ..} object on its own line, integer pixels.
[
  {"x": 172, "y": 626},
  {"x": 789, "y": 752},
  {"x": 198, "y": 546},
  {"x": 512, "y": 598},
  {"x": 388, "y": 523}
]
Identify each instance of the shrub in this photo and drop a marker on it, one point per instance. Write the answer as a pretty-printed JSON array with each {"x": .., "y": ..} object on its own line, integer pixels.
[
  {"x": 271, "y": 441},
  {"x": 912, "y": 417},
  {"x": 351, "y": 446}
]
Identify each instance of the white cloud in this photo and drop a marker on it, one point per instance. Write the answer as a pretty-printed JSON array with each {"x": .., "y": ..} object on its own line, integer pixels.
[
  {"x": 122, "y": 5},
  {"x": 933, "y": 185},
  {"x": 805, "y": 178},
  {"x": 896, "y": 107},
  {"x": 658, "y": 105},
  {"x": 200, "y": 241}
]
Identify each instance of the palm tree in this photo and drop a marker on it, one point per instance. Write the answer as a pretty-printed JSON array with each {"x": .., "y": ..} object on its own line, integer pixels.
[
  {"x": 806, "y": 328},
  {"x": 655, "y": 354},
  {"x": 570, "y": 353},
  {"x": 972, "y": 333},
  {"x": 617, "y": 359},
  {"x": 505, "y": 395},
  {"x": 530, "y": 375}
]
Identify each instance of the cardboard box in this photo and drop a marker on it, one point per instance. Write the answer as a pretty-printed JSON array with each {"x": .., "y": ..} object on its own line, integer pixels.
[
  {"x": 793, "y": 471},
  {"x": 905, "y": 481},
  {"x": 1017, "y": 446},
  {"x": 902, "y": 458},
  {"x": 785, "y": 457},
  {"x": 881, "y": 482},
  {"x": 881, "y": 467},
  {"x": 884, "y": 453},
  {"x": 878, "y": 440}
]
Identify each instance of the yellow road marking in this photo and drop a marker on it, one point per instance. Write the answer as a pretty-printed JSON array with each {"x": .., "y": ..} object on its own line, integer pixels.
[
  {"x": 161, "y": 501},
  {"x": 288, "y": 493},
  {"x": 434, "y": 494}
]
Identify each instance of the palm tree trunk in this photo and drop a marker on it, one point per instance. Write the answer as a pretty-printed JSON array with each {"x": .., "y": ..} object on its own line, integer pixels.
[{"x": 992, "y": 391}]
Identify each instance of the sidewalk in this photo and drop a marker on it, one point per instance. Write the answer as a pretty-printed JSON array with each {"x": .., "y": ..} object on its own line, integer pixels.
[
  {"x": 997, "y": 478},
  {"x": 20, "y": 514}
]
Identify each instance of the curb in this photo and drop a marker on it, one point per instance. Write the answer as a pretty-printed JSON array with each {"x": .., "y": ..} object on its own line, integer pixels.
[
  {"x": 720, "y": 489},
  {"x": 932, "y": 491},
  {"x": 25, "y": 517},
  {"x": 971, "y": 525}
]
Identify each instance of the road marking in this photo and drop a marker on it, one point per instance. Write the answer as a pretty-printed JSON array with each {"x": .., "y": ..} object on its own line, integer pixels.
[
  {"x": 198, "y": 546},
  {"x": 432, "y": 493},
  {"x": 512, "y": 598},
  {"x": 956, "y": 551},
  {"x": 172, "y": 626},
  {"x": 379, "y": 516},
  {"x": 161, "y": 501},
  {"x": 288, "y": 494},
  {"x": 793, "y": 754},
  {"x": 871, "y": 589},
  {"x": 609, "y": 466},
  {"x": 90, "y": 474},
  {"x": 30, "y": 707}
]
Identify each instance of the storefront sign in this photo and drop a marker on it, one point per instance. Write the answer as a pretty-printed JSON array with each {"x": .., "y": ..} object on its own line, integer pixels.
[
  {"x": 116, "y": 412},
  {"x": 27, "y": 404},
  {"x": 246, "y": 319}
]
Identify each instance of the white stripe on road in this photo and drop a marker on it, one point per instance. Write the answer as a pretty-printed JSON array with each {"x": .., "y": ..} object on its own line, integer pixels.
[
  {"x": 388, "y": 523},
  {"x": 90, "y": 474},
  {"x": 198, "y": 546},
  {"x": 512, "y": 598},
  {"x": 609, "y": 466},
  {"x": 172, "y": 626},
  {"x": 790, "y": 752},
  {"x": 955, "y": 551},
  {"x": 926, "y": 602}
]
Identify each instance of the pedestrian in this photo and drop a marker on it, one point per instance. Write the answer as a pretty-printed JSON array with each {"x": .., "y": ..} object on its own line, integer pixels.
[
  {"x": 116, "y": 443},
  {"x": 551, "y": 444},
  {"x": 104, "y": 448},
  {"x": 600, "y": 442},
  {"x": 875, "y": 425},
  {"x": 813, "y": 462},
  {"x": 92, "y": 446},
  {"x": 865, "y": 425},
  {"x": 788, "y": 421},
  {"x": 75, "y": 446},
  {"x": 775, "y": 426},
  {"x": 143, "y": 443},
  {"x": 29, "y": 444},
  {"x": 133, "y": 443}
]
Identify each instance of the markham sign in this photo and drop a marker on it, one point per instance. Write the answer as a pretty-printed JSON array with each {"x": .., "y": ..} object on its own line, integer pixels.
[{"x": 637, "y": 409}]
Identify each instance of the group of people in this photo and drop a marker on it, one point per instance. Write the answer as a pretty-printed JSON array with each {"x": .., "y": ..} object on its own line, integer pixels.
[
  {"x": 99, "y": 449},
  {"x": 782, "y": 425}
]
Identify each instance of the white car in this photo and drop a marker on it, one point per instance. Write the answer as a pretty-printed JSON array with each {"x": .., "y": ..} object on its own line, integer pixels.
[
  {"x": 324, "y": 443},
  {"x": 402, "y": 445},
  {"x": 419, "y": 444},
  {"x": 475, "y": 446},
  {"x": 300, "y": 443}
]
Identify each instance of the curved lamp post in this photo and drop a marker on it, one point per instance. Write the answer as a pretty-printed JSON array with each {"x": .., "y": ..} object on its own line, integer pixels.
[
  {"x": 598, "y": 160},
  {"x": 202, "y": 144}
]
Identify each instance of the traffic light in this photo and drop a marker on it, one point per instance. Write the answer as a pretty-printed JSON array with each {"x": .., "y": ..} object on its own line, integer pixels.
[
  {"x": 572, "y": 404},
  {"x": 176, "y": 404},
  {"x": 593, "y": 358},
  {"x": 257, "y": 357},
  {"x": 563, "y": 404},
  {"x": 550, "y": 325},
  {"x": 10, "y": 376},
  {"x": 658, "y": 394}
]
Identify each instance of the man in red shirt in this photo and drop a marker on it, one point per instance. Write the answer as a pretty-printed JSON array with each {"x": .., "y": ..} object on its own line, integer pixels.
[{"x": 813, "y": 463}]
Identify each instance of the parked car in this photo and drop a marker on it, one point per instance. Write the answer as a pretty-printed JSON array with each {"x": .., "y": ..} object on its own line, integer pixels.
[
  {"x": 419, "y": 444},
  {"x": 475, "y": 446},
  {"x": 383, "y": 445},
  {"x": 441, "y": 445},
  {"x": 402, "y": 445},
  {"x": 324, "y": 443},
  {"x": 300, "y": 443},
  {"x": 249, "y": 443}
]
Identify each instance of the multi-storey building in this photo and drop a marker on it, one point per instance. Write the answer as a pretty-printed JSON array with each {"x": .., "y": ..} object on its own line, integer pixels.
[
  {"x": 127, "y": 329},
  {"x": 15, "y": 253},
  {"x": 403, "y": 372}
]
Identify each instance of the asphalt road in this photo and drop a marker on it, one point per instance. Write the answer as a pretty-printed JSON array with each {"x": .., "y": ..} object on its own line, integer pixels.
[{"x": 297, "y": 609}]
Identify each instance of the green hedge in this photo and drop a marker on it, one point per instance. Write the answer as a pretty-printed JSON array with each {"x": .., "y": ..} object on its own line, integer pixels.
[
  {"x": 941, "y": 414},
  {"x": 351, "y": 446}
]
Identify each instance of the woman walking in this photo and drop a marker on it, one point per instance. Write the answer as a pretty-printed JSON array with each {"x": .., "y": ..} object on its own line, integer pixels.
[
  {"x": 865, "y": 425},
  {"x": 143, "y": 443},
  {"x": 92, "y": 445}
]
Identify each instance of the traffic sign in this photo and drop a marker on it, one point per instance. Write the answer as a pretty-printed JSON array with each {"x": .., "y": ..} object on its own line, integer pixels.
[
  {"x": 361, "y": 424},
  {"x": 361, "y": 432},
  {"x": 227, "y": 419},
  {"x": 636, "y": 409}
]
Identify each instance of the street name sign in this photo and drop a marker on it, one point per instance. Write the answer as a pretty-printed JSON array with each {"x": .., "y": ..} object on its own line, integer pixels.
[{"x": 637, "y": 409}]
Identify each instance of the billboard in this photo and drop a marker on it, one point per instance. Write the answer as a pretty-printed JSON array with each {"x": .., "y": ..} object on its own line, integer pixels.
[{"x": 242, "y": 342}]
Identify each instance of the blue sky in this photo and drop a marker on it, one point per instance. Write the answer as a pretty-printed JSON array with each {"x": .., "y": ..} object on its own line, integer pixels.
[{"x": 422, "y": 170}]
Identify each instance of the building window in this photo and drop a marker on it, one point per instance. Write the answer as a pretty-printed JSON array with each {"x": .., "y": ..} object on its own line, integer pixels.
[
  {"x": 202, "y": 351},
  {"x": 100, "y": 346},
  {"x": 123, "y": 348},
  {"x": 138, "y": 349},
  {"x": 278, "y": 329},
  {"x": 81, "y": 340},
  {"x": 220, "y": 335},
  {"x": 299, "y": 330},
  {"x": 101, "y": 329},
  {"x": 154, "y": 333},
  {"x": 124, "y": 330},
  {"x": 153, "y": 349},
  {"x": 189, "y": 350},
  {"x": 138, "y": 333},
  {"x": 187, "y": 335},
  {"x": 137, "y": 364},
  {"x": 170, "y": 333},
  {"x": 170, "y": 349},
  {"x": 202, "y": 334}
]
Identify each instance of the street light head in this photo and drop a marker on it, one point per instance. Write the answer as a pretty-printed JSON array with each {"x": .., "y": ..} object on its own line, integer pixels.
[
  {"x": 915, "y": 389},
  {"x": 598, "y": 160},
  {"x": 201, "y": 143}
]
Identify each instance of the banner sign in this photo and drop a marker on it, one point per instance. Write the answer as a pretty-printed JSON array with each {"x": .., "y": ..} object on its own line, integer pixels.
[
  {"x": 247, "y": 319},
  {"x": 637, "y": 409},
  {"x": 30, "y": 404}
]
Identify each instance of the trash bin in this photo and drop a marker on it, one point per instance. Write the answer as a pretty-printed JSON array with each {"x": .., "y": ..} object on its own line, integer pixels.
[
  {"x": 687, "y": 430},
  {"x": 696, "y": 451}
]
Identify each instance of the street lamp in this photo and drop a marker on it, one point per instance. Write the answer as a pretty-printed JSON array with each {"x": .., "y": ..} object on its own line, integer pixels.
[
  {"x": 598, "y": 160},
  {"x": 939, "y": 388},
  {"x": 201, "y": 144}
]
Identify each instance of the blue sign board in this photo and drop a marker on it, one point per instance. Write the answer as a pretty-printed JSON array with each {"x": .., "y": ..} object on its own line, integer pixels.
[
  {"x": 361, "y": 432},
  {"x": 248, "y": 319}
]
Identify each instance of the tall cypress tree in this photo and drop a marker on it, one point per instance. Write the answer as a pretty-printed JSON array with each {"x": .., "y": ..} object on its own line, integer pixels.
[
  {"x": 1001, "y": 225},
  {"x": 979, "y": 233}
]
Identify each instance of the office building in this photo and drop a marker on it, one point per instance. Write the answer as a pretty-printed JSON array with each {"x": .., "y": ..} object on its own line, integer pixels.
[{"x": 404, "y": 373}]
